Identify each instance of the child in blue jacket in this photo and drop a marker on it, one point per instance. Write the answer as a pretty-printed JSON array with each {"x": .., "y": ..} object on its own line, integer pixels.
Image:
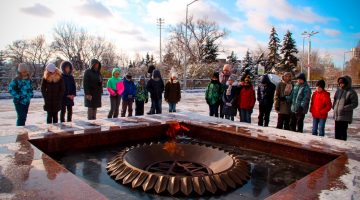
[
  {"x": 21, "y": 90},
  {"x": 128, "y": 95}
]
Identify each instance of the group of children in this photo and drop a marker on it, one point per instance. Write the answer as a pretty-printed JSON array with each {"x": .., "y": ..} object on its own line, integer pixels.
[
  {"x": 291, "y": 101},
  {"x": 58, "y": 89}
]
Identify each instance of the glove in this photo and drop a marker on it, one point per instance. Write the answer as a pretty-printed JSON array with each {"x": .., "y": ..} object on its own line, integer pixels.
[
  {"x": 88, "y": 97},
  {"x": 146, "y": 100}
]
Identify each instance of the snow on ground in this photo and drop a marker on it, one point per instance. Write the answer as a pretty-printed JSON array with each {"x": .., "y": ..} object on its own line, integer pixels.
[{"x": 193, "y": 101}]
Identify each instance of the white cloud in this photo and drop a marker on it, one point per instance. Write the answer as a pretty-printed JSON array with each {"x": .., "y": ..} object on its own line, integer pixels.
[
  {"x": 259, "y": 12},
  {"x": 94, "y": 9},
  {"x": 38, "y": 10},
  {"x": 331, "y": 32},
  {"x": 240, "y": 47},
  {"x": 174, "y": 11}
]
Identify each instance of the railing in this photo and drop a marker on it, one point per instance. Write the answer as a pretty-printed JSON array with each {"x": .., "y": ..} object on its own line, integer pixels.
[{"x": 190, "y": 83}]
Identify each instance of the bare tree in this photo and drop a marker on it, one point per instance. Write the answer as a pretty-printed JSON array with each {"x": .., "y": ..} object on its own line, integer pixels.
[
  {"x": 69, "y": 41},
  {"x": 38, "y": 53},
  {"x": 199, "y": 33},
  {"x": 17, "y": 51}
]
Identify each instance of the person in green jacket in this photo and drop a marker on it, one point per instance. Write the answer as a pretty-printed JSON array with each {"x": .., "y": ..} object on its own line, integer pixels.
[
  {"x": 141, "y": 96},
  {"x": 115, "y": 87},
  {"x": 213, "y": 95},
  {"x": 300, "y": 99}
]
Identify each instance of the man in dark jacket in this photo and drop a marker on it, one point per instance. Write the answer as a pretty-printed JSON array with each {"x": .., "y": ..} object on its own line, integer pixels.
[
  {"x": 345, "y": 101},
  {"x": 93, "y": 88},
  {"x": 265, "y": 96},
  {"x": 156, "y": 87},
  {"x": 70, "y": 90}
]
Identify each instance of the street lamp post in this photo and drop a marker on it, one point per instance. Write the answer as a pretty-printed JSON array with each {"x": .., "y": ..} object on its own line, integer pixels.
[
  {"x": 186, "y": 42},
  {"x": 308, "y": 35}
]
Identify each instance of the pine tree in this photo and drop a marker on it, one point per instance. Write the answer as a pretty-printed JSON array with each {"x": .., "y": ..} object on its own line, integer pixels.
[
  {"x": 288, "y": 50},
  {"x": 211, "y": 51},
  {"x": 273, "y": 57},
  {"x": 2, "y": 57},
  {"x": 248, "y": 65},
  {"x": 147, "y": 59},
  {"x": 232, "y": 58},
  {"x": 152, "y": 59}
]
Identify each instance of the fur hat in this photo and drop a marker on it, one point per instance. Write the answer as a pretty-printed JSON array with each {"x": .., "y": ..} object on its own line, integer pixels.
[
  {"x": 22, "y": 67},
  {"x": 174, "y": 74},
  {"x": 232, "y": 77},
  {"x": 320, "y": 83},
  {"x": 301, "y": 76},
  {"x": 51, "y": 67}
]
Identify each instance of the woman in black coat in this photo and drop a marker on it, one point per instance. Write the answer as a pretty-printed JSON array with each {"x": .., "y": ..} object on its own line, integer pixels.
[
  {"x": 52, "y": 89},
  {"x": 156, "y": 88},
  {"x": 93, "y": 88},
  {"x": 70, "y": 91}
]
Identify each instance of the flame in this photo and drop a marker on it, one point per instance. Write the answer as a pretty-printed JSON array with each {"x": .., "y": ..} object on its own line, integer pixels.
[{"x": 170, "y": 146}]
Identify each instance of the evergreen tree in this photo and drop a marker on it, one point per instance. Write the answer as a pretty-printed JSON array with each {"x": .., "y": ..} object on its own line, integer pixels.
[
  {"x": 152, "y": 59},
  {"x": 147, "y": 59},
  {"x": 211, "y": 51},
  {"x": 288, "y": 50},
  {"x": 273, "y": 57},
  {"x": 2, "y": 58},
  {"x": 232, "y": 58},
  {"x": 248, "y": 65}
]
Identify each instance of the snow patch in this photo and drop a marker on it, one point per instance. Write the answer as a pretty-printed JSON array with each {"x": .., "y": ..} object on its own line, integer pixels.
[{"x": 351, "y": 182}]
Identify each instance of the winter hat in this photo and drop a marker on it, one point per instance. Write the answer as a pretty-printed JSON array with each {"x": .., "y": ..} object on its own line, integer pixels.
[
  {"x": 301, "y": 76},
  {"x": 51, "y": 67},
  {"x": 142, "y": 78},
  {"x": 320, "y": 83},
  {"x": 232, "y": 77},
  {"x": 156, "y": 74},
  {"x": 22, "y": 67},
  {"x": 174, "y": 74}
]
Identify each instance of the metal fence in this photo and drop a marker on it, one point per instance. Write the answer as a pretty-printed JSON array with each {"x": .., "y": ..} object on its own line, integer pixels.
[{"x": 190, "y": 83}]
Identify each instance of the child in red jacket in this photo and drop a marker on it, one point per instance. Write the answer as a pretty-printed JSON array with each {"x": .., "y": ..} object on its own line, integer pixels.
[
  {"x": 246, "y": 100},
  {"x": 319, "y": 108}
]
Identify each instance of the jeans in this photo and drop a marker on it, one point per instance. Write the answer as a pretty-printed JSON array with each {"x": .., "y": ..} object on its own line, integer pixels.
[
  {"x": 114, "y": 106},
  {"x": 156, "y": 106},
  {"x": 52, "y": 117},
  {"x": 341, "y": 130},
  {"x": 139, "y": 108},
  {"x": 172, "y": 107},
  {"x": 318, "y": 124},
  {"x": 127, "y": 105},
  {"x": 245, "y": 115},
  {"x": 297, "y": 122},
  {"x": 63, "y": 111},
  {"x": 214, "y": 110},
  {"x": 92, "y": 113},
  {"x": 283, "y": 121},
  {"x": 21, "y": 111}
]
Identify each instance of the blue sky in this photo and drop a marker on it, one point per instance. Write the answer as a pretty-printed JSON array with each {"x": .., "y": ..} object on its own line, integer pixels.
[{"x": 131, "y": 25}]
